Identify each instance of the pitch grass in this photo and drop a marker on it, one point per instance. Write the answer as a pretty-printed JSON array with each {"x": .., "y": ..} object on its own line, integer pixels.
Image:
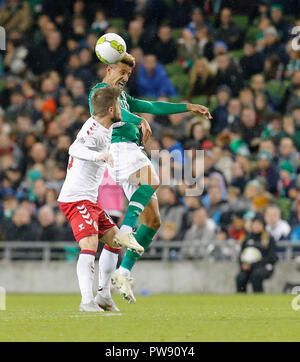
[{"x": 154, "y": 318}]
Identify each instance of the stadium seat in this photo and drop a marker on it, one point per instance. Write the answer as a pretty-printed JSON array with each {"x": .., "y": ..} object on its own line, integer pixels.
[
  {"x": 176, "y": 33},
  {"x": 241, "y": 21},
  {"x": 285, "y": 206},
  {"x": 203, "y": 100},
  {"x": 181, "y": 83},
  {"x": 237, "y": 53},
  {"x": 276, "y": 91},
  {"x": 173, "y": 69},
  {"x": 252, "y": 33},
  {"x": 117, "y": 23}
]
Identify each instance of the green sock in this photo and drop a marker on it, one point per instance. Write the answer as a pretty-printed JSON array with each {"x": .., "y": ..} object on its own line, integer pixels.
[
  {"x": 144, "y": 236},
  {"x": 137, "y": 203}
]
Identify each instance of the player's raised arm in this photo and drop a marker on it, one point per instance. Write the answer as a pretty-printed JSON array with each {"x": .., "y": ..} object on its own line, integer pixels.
[{"x": 160, "y": 108}]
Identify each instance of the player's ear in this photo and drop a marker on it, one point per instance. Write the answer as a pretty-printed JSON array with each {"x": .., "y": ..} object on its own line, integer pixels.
[{"x": 110, "y": 110}]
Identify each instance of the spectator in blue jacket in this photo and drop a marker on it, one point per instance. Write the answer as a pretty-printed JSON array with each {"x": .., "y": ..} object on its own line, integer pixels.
[{"x": 152, "y": 79}]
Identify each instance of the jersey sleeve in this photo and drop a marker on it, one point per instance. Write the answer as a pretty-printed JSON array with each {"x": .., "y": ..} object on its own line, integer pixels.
[
  {"x": 155, "y": 107},
  {"x": 84, "y": 146},
  {"x": 81, "y": 151}
]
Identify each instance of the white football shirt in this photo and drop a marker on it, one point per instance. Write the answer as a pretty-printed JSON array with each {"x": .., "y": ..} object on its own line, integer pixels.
[{"x": 85, "y": 173}]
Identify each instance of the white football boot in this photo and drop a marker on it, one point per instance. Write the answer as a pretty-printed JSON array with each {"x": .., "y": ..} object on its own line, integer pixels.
[
  {"x": 124, "y": 285},
  {"x": 129, "y": 241},
  {"x": 106, "y": 303},
  {"x": 90, "y": 307}
]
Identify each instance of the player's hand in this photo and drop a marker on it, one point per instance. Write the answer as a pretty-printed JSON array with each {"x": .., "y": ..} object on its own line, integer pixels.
[
  {"x": 108, "y": 158},
  {"x": 146, "y": 130},
  {"x": 198, "y": 109}
]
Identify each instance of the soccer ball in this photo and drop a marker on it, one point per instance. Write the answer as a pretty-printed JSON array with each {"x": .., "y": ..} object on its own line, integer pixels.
[
  {"x": 251, "y": 255},
  {"x": 110, "y": 48}
]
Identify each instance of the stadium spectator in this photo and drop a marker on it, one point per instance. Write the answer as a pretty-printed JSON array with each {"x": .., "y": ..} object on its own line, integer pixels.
[
  {"x": 267, "y": 171},
  {"x": 287, "y": 152},
  {"x": 152, "y": 79},
  {"x": 287, "y": 184},
  {"x": 228, "y": 31},
  {"x": 48, "y": 230},
  {"x": 21, "y": 227},
  {"x": 198, "y": 22},
  {"x": 187, "y": 48},
  {"x": 165, "y": 41},
  {"x": 171, "y": 211},
  {"x": 279, "y": 229},
  {"x": 252, "y": 61},
  {"x": 205, "y": 43},
  {"x": 202, "y": 79},
  {"x": 180, "y": 13},
  {"x": 201, "y": 231},
  {"x": 263, "y": 269},
  {"x": 220, "y": 113},
  {"x": 136, "y": 37},
  {"x": 229, "y": 73},
  {"x": 276, "y": 16}
]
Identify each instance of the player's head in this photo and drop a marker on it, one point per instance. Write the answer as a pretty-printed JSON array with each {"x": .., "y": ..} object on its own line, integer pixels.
[
  {"x": 118, "y": 74},
  {"x": 105, "y": 103}
]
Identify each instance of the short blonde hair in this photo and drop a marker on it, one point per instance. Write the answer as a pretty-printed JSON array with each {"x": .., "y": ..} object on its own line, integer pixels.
[{"x": 128, "y": 60}]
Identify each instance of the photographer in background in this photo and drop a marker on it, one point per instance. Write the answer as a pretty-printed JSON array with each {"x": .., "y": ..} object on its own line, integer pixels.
[{"x": 257, "y": 257}]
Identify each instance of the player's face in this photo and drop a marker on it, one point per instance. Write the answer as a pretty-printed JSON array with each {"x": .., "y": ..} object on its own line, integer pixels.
[{"x": 119, "y": 75}]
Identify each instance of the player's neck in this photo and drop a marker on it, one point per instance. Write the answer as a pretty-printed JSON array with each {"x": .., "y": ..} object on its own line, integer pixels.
[
  {"x": 104, "y": 121},
  {"x": 107, "y": 80}
]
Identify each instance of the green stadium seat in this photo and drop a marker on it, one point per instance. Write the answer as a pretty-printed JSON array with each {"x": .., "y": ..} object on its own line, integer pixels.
[
  {"x": 173, "y": 69},
  {"x": 241, "y": 21},
  {"x": 168, "y": 2},
  {"x": 285, "y": 205},
  {"x": 117, "y": 23},
  {"x": 276, "y": 91},
  {"x": 176, "y": 99},
  {"x": 181, "y": 83},
  {"x": 176, "y": 33},
  {"x": 252, "y": 33},
  {"x": 237, "y": 53},
  {"x": 213, "y": 105},
  {"x": 203, "y": 100}
]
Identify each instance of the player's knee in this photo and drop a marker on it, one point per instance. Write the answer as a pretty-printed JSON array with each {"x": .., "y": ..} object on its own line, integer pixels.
[{"x": 89, "y": 243}]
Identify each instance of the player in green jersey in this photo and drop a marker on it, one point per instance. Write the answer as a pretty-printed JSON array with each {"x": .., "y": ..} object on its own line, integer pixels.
[{"x": 132, "y": 168}]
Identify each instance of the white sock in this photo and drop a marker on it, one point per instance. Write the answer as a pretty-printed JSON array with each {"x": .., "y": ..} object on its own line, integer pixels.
[
  {"x": 107, "y": 265},
  {"x": 125, "y": 229},
  {"x": 85, "y": 274},
  {"x": 125, "y": 272}
]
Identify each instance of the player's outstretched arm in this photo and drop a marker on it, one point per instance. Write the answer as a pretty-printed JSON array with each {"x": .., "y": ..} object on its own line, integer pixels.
[{"x": 160, "y": 108}]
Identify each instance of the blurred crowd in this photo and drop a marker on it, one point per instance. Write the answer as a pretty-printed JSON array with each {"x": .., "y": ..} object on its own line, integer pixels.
[{"x": 238, "y": 58}]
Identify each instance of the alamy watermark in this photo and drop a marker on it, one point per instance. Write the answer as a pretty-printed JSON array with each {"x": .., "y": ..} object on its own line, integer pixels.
[
  {"x": 296, "y": 40},
  {"x": 174, "y": 168},
  {"x": 2, "y": 298},
  {"x": 2, "y": 38},
  {"x": 295, "y": 302}
]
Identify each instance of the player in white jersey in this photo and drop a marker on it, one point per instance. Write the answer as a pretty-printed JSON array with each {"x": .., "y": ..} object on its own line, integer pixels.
[{"x": 89, "y": 155}]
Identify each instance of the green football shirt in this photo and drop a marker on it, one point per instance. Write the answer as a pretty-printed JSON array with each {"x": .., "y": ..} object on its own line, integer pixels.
[{"x": 129, "y": 132}]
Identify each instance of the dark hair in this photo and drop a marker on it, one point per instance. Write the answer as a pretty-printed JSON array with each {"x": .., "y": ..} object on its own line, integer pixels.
[{"x": 103, "y": 98}]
